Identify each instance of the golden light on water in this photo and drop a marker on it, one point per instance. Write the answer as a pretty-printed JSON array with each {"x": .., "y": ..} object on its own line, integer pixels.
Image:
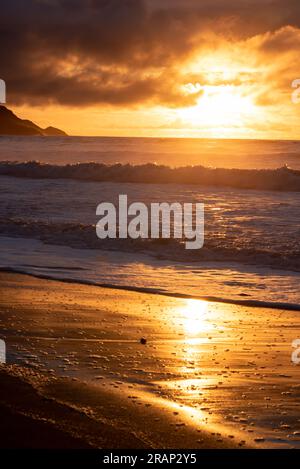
[
  {"x": 193, "y": 320},
  {"x": 194, "y": 316}
]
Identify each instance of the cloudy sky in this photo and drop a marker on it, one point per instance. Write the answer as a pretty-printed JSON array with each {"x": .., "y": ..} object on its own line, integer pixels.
[{"x": 201, "y": 68}]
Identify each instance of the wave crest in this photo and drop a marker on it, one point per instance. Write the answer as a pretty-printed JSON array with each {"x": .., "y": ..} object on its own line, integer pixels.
[{"x": 281, "y": 179}]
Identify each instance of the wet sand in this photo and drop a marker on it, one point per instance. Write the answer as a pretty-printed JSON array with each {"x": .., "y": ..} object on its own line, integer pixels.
[{"x": 210, "y": 375}]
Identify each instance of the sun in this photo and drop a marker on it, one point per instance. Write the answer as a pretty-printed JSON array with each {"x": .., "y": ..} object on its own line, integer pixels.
[{"x": 222, "y": 107}]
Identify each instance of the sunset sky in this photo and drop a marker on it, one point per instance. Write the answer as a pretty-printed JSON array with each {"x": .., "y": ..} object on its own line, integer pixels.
[{"x": 174, "y": 68}]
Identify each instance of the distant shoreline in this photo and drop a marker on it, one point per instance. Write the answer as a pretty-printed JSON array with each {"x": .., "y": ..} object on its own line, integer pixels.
[{"x": 12, "y": 125}]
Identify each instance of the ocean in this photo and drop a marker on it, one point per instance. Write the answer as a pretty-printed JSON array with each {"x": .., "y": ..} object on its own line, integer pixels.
[{"x": 50, "y": 188}]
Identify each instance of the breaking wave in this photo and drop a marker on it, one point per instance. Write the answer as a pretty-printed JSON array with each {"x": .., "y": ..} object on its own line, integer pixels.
[
  {"x": 81, "y": 236},
  {"x": 281, "y": 179}
]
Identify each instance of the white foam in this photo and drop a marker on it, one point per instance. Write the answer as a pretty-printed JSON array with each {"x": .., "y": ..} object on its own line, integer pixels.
[{"x": 233, "y": 283}]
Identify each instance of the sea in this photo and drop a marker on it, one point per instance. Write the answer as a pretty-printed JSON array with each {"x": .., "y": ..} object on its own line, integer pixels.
[{"x": 50, "y": 188}]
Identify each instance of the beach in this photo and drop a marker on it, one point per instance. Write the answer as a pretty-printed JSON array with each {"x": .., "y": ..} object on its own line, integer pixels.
[
  {"x": 149, "y": 231},
  {"x": 205, "y": 375}
]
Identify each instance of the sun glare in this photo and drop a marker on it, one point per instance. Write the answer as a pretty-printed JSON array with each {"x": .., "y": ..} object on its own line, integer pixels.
[
  {"x": 195, "y": 317},
  {"x": 219, "y": 107}
]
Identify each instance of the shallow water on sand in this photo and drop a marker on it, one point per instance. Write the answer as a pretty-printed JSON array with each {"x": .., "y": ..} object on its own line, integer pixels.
[
  {"x": 223, "y": 369},
  {"x": 232, "y": 282}
]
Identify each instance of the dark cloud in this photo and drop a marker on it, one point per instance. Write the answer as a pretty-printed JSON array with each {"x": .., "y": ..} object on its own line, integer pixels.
[
  {"x": 78, "y": 52},
  {"x": 282, "y": 41}
]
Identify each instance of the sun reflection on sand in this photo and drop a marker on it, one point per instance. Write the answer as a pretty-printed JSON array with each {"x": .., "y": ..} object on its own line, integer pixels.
[
  {"x": 195, "y": 322},
  {"x": 195, "y": 317}
]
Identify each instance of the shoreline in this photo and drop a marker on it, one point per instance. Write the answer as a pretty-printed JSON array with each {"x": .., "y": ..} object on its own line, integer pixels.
[
  {"x": 91, "y": 383},
  {"x": 154, "y": 291}
]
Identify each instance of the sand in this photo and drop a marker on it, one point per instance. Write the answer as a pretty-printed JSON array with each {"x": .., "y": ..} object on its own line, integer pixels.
[{"x": 210, "y": 375}]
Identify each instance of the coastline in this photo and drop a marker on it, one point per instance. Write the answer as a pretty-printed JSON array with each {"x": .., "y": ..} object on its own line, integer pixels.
[
  {"x": 153, "y": 291},
  {"x": 74, "y": 352}
]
